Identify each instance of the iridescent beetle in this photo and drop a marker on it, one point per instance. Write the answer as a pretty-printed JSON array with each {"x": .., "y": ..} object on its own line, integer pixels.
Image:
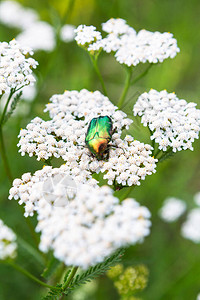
[{"x": 99, "y": 134}]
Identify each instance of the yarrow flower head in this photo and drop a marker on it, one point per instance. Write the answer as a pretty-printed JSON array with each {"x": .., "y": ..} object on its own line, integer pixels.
[
  {"x": 88, "y": 37},
  {"x": 146, "y": 46},
  {"x": 15, "y": 68},
  {"x": 117, "y": 27},
  {"x": 67, "y": 33},
  {"x": 13, "y": 14},
  {"x": 8, "y": 244},
  {"x": 191, "y": 227},
  {"x": 39, "y": 36},
  {"x": 130, "y": 48},
  {"x": 174, "y": 122},
  {"x": 44, "y": 183},
  {"x": 86, "y": 229},
  {"x": 172, "y": 209},
  {"x": 64, "y": 136}
]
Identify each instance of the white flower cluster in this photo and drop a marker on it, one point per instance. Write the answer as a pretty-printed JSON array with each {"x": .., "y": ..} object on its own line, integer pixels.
[
  {"x": 8, "y": 244},
  {"x": 39, "y": 36},
  {"x": 15, "y": 68},
  {"x": 191, "y": 227},
  {"x": 172, "y": 209},
  {"x": 129, "y": 163},
  {"x": 13, "y": 14},
  {"x": 67, "y": 33},
  {"x": 146, "y": 46},
  {"x": 118, "y": 27},
  {"x": 88, "y": 37},
  {"x": 36, "y": 34},
  {"x": 174, "y": 122},
  {"x": 64, "y": 136},
  {"x": 89, "y": 227},
  {"x": 30, "y": 189},
  {"x": 130, "y": 48}
]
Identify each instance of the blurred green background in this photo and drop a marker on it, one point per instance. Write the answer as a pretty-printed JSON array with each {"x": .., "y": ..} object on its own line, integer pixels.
[{"x": 173, "y": 262}]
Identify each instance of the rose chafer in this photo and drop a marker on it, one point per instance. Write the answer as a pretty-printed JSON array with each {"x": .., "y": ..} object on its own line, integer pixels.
[{"x": 98, "y": 136}]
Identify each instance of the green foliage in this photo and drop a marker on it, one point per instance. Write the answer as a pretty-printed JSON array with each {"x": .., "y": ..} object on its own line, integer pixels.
[
  {"x": 172, "y": 261},
  {"x": 167, "y": 155},
  {"x": 83, "y": 278},
  {"x": 54, "y": 294},
  {"x": 96, "y": 271},
  {"x": 13, "y": 106}
]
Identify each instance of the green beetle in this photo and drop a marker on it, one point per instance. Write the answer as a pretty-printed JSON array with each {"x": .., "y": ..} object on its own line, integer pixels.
[{"x": 99, "y": 134}]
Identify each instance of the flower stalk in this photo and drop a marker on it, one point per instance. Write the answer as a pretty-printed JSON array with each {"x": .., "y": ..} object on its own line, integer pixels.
[
  {"x": 70, "y": 278},
  {"x": 126, "y": 87},
  {"x": 95, "y": 65},
  {"x": 29, "y": 275}
]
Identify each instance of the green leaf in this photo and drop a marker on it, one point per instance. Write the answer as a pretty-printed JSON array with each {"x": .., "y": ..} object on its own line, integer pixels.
[
  {"x": 12, "y": 107},
  {"x": 95, "y": 271},
  {"x": 66, "y": 275},
  {"x": 54, "y": 294}
]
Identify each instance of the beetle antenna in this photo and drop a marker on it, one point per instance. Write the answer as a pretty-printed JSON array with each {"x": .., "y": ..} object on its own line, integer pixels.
[{"x": 81, "y": 146}]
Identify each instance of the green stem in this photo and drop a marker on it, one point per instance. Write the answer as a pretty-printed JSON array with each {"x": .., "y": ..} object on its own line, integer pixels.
[
  {"x": 29, "y": 275},
  {"x": 156, "y": 154},
  {"x": 6, "y": 106},
  {"x": 2, "y": 144},
  {"x": 71, "y": 276},
  {"x": 142, "y": 74},
  {"x": 126, "y": 87},
  {"x": 165, "y": 155},
  {"x": 94, "y": 61},
  {"x": 4, "y": 157}
]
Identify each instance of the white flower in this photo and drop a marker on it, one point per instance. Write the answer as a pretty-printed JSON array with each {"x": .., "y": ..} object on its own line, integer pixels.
[
  {"x": 146, "y": 46},
  {"x": 86, "y": 35},
  {"x": 8, "y": 244},
  {"x": 174, "y": 123},
  {"x": 15, "y": 68},
  {"x": 39, "y": 36},
  {"x": 130, "y": 48},
  {"x": 91, "y": 226},
  {"x": 117, "y": 27},
  {"x": 67, "y": 33},
  {"x": 14, "y": 15},
  {"x": 64, "y": 136},
  {"x": 191, "y": 227},
  {"x": 30, "y": 189},
  {"x": 172, "y": 209},
  {"x": 129, "y": 163}
]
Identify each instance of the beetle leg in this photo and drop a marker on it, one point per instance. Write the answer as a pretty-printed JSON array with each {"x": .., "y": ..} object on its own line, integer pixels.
[{"x": 114, "y": 130}]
